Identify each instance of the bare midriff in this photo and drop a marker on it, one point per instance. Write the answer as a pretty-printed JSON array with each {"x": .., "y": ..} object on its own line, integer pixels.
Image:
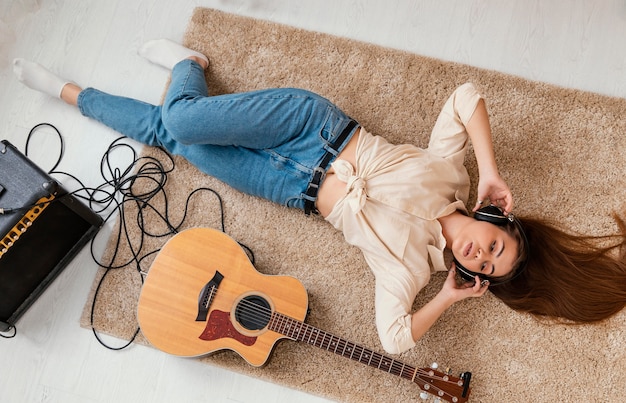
[{"x": 331, "y": 188}]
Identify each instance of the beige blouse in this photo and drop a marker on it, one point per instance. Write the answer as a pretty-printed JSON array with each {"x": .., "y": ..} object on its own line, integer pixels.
[{"x": 393, "y": 198}]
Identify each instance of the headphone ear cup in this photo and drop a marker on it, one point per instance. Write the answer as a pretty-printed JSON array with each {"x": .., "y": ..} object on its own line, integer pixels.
[
  {"x": 464, "y": 273},
  {"x": 491, "y": 214}
]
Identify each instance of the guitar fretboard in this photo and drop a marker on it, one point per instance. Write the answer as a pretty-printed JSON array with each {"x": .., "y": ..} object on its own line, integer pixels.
[{"x": 300, "y": 331}]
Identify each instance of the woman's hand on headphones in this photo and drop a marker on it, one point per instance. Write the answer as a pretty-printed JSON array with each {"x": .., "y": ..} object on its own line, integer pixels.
[
  {"x": 493, "y": 188},
  {"x": 466, "y": 290}
]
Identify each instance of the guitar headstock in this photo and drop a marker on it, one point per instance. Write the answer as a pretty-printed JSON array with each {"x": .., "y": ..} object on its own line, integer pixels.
[{"x": 442, "y": 386}]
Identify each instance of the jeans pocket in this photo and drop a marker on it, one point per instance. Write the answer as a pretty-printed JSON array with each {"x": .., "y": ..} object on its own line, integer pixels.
[{"x": 334, "y": 122}]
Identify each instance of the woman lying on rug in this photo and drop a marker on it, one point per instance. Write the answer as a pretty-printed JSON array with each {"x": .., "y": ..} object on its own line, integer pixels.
[{"x": 401, "y": 205}]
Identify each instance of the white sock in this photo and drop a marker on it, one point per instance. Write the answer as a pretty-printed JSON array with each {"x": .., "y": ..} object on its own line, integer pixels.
[
  {"x": 37, "y": 77},
  {"x": 167, "y": 53}
]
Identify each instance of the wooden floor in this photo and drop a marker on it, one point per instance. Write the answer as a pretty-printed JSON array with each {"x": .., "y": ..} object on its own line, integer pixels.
[{"x": 578, "y": 44}]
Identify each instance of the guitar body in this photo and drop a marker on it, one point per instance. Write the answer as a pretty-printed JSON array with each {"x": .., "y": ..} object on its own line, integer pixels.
[{"x": 204, "y": 269}]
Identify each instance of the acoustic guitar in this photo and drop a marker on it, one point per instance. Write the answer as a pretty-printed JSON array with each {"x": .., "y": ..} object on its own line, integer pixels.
[{"x": 202, "y": 294}]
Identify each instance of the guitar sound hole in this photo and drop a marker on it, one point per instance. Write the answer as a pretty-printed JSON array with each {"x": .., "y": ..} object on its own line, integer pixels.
[{"x": 253, "y": 312}]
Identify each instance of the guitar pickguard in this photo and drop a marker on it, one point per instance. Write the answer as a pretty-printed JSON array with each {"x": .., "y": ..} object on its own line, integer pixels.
[{"x": 219, "y": 326}]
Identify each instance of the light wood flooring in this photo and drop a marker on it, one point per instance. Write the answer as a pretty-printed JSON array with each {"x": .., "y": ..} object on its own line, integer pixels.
[{"x": 577, "y": 44}]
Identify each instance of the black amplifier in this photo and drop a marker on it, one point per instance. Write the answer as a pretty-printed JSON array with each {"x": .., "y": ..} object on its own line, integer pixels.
[{"x": 42, "y": 228}]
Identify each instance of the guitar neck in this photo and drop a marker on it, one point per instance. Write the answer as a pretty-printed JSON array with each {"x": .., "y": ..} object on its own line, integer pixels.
[
  {"x": 300, "y": 331},
  {"x": 441, "y": 385}
]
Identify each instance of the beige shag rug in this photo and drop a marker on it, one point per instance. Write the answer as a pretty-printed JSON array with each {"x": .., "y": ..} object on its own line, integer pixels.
[{"x": 563, "y": 153}]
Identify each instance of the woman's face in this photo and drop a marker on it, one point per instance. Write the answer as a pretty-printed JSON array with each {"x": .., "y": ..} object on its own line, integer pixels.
[{"x": 485, "y": 248}]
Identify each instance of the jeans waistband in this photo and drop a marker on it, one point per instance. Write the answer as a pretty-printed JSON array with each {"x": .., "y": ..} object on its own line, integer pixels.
[{"x": 320, "y": 172}]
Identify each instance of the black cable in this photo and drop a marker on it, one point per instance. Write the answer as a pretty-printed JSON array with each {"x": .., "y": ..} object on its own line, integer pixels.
[
  {"x": 118, "y": 191},
  {"x": 62, "y": 145},
  {"x": 115, "y": 194}
]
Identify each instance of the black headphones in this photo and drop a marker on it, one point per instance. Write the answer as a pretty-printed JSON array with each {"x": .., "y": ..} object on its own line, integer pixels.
[{"x": 494, "y": 215}]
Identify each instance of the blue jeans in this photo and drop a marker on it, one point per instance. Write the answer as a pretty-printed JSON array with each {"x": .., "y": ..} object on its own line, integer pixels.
[{"x": 265, "y": 143}]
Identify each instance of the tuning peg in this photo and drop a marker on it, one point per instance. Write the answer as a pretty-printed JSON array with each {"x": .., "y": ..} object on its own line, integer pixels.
[
  {"x": 423, "y": 395},
  {"x": 434, "y": 365}
]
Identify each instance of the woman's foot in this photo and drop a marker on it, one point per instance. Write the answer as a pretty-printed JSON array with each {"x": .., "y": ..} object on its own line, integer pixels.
[
  {"x": 166, "y": 53},
  {"x": 37, "y": 77}
]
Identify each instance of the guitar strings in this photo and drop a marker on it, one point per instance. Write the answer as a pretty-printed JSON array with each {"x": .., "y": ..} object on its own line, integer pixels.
[
  {"x": 255, "y": 314},
  {"x": 254, "y": 311}
]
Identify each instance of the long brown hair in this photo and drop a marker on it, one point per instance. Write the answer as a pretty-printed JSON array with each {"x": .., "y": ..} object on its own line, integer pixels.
[{"x": 571, "y": 278}]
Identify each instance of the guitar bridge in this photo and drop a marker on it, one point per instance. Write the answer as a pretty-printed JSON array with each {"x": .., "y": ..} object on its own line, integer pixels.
[{"x": 206, "y": 296}]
